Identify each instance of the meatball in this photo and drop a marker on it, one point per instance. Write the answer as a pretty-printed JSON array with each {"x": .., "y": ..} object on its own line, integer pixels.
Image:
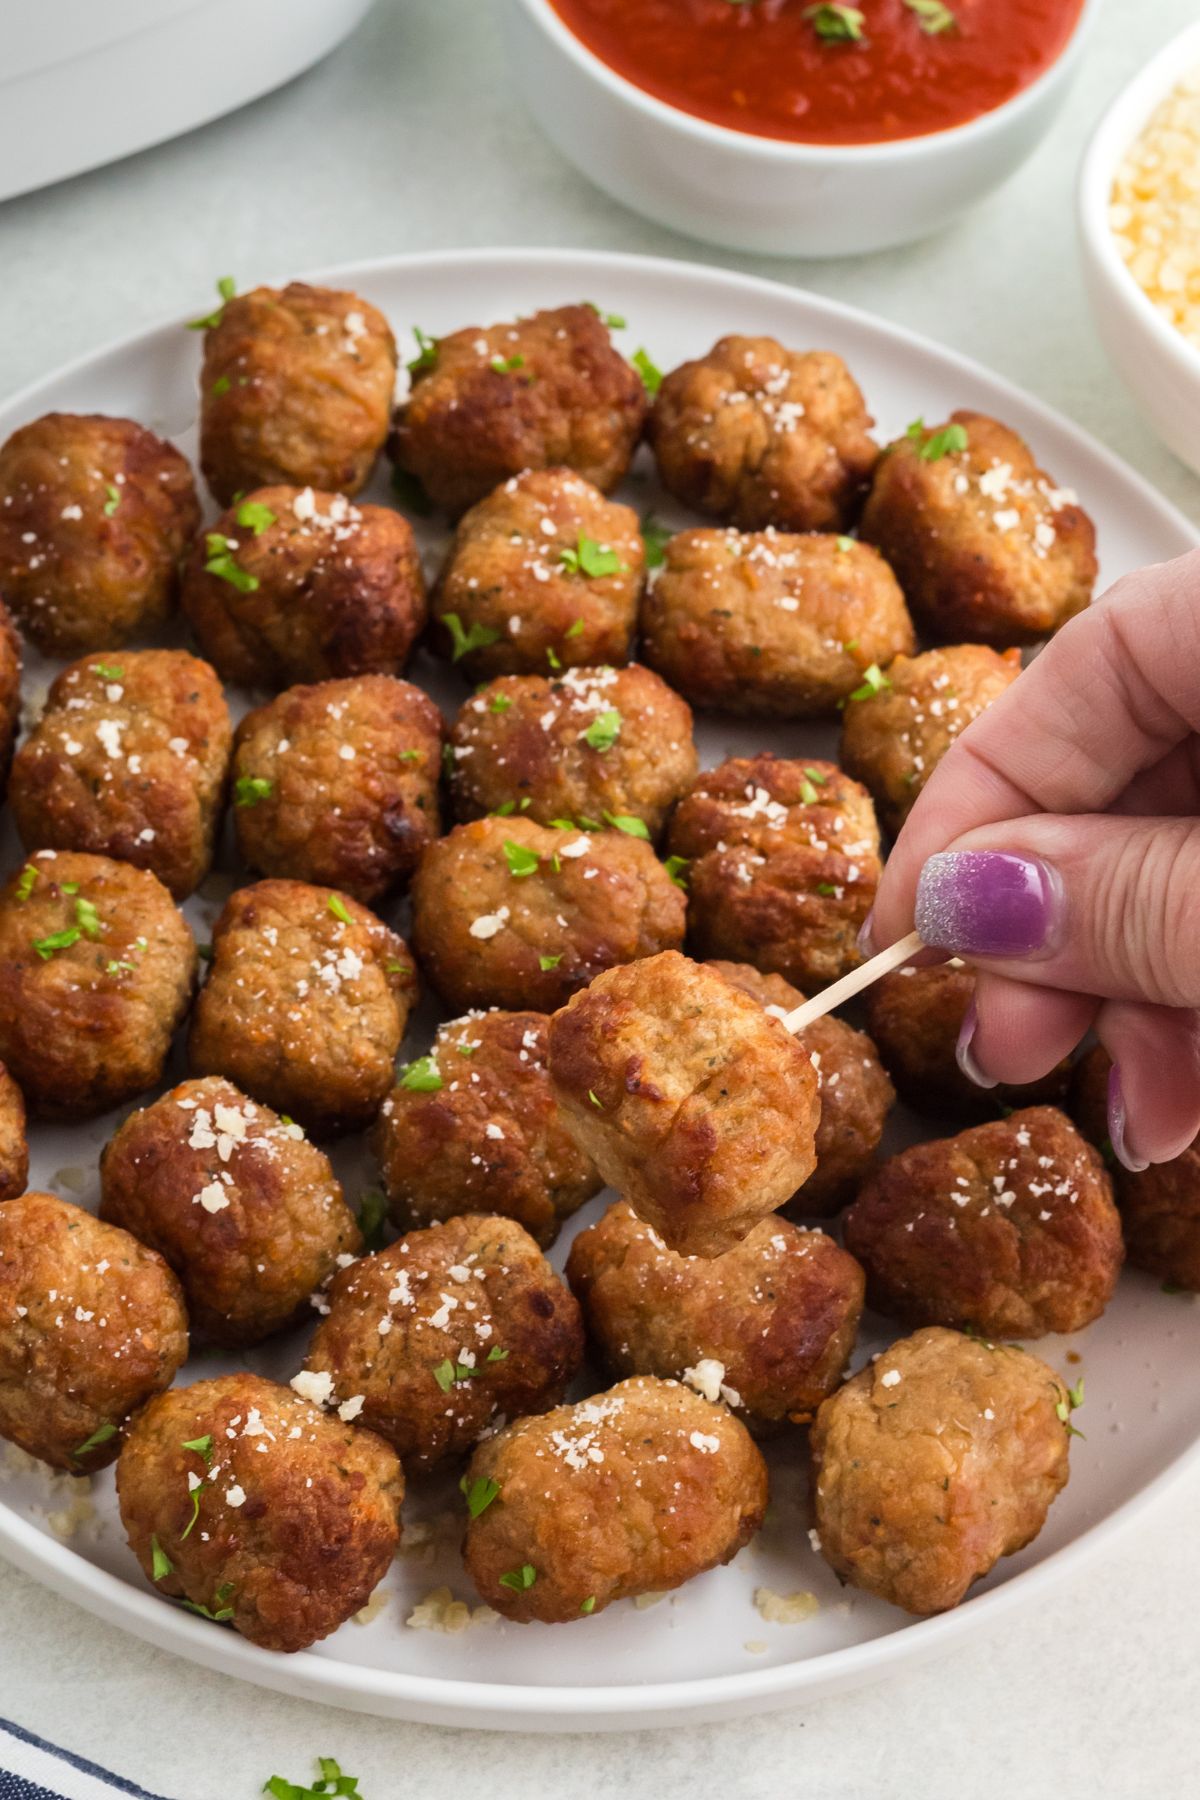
[
  {"x": 244, "y": 1209},
  {"x": 14, "y": 1150},
  {"x": 490, "y": 402},
  {"x": 95, "y": 514},
  {"x": 296, "y": 387},
  {"x": 758, "y": 435},
  {"x": 986, "y": 547},
  {"x": 254, "y": 1507},
  {"x": 508, "y": 913},
  {"x": 895, "y": 734},
  {"x": 97, "y": 968},
  {"x": 589, "y": 742},
  {"x": 768, "y": 1326},
  {"x": 916, "y": 1017},
  {"x": 306, "y": 1004},
  {"x": 442, "y": 1336},
  {"x": 1160, "y": 1206},
  {"x": 771, "y": 625},
  {"x": 91, "y": 1325},
  {"x": 691, "y": 1101},
  {"x": 1009, "y": 1227},
  {"x": 784, "y": 863},
  {"x": 474, "y": 1126},
  {"x": 939, "y": 1458},
  {"x": 337, "y": 783},
  {"x": 10, "y": 691},
  {"x": 635, "y": 1490},
  {"x": 292, "y": 585},
  {"x": 855, "y": 1093},
  {"x": 129, "y": 760},
  {"x": 543, "y": 574}
]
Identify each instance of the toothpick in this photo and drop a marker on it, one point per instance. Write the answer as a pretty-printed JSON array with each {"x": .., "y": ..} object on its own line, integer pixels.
[{"x": 853, "y": 983}]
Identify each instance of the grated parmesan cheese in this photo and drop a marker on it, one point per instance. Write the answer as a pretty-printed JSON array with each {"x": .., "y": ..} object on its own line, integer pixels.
[{"x": 1154, "y": 208}]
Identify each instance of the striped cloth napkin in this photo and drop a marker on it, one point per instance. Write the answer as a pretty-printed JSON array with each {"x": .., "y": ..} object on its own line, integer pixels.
[{"x": 31, "y": 1769}]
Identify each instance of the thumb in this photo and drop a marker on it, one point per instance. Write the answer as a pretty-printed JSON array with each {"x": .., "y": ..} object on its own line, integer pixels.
[{"x": 1096, "y": 904}]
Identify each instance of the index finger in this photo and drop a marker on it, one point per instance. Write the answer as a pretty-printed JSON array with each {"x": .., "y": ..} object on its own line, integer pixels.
[{"x": 1107, "y": 698}]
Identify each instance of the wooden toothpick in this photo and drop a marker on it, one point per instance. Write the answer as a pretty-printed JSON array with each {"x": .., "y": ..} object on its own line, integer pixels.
[{"x": 853, "y": 983}]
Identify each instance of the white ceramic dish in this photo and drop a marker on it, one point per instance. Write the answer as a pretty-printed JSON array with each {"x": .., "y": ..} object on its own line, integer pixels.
[
  {"x": 763, "y": 194},
  {"x": 1156, "y": 362},
  {"x": 116, "y": 78},
  {"x": 686, "y": 1658}
]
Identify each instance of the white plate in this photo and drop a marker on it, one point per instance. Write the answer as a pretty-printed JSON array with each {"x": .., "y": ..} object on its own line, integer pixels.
[{"x": 687, "y": 1657}]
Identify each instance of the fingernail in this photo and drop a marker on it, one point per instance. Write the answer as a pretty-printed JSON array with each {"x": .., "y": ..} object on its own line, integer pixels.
[
  {"x": 989, "y": 903},
  {"x": 865, "y": 946},
  {"x": 962, "y": 1050},
  {"x": 1118, "y": 1120}
]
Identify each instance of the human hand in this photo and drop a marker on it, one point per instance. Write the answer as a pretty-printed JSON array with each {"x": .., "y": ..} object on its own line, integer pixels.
[{"x": 1057, "y": 848}]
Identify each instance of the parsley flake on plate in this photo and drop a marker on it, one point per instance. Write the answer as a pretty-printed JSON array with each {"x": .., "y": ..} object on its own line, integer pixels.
[
  {"x": 226, "y": 288},
  {"x": 427, "y": 352},
  {"x": 331, "y": 1785},
  {"x": 650, "y": 373}
]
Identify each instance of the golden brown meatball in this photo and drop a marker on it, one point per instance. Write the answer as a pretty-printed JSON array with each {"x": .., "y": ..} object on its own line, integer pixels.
[
  {"x": 244, "y": 1209},
  {"x": 14, "y": 1150},
  {"x": 10, "y": 690},
  {"x": 543, "y": 574},
  {"x": 784, "y": 863},
  {"x": 632, "y": 1491},
  {"x": 758, "y": 435},
  {"x": 445, "y": 1334},
  {"x": 489, "y": 402},
  {"x": 768, "y": 1326},
  {"x": 895, "y": 735},
  {"x": 771, "y": 625},
  {"x": 91, "y": 1325},
  {"x": 305, "y": 1005},
  {"x": 588, "y": 742},
  {"x": 337, "y": 783},
  {"x": 256, "y": 1508},
  {"x": 1009, "y": 1227},
  {"x": 986, "y": 547},
  {"x": 474, "y": 1126},
  {"x": 939, "y": 1458},
  {"x": 296, "y": 387},
  {"x": 129, "y": 760},
  {"x": 916, "y": 1017},
  {"x": 508, "y": 913},
  {"x": 95, "y": 514},
  {"x": 855, "y": 1093},
  {"x": 1160, "y": 1206},
  {"x": 691, "y": 1101},
  {"x": 292, "y": 585},
  {"x": 97, "y": 968}
]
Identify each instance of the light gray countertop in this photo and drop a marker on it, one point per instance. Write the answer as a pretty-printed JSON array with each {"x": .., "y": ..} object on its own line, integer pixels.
[{"x": 407, "y": 140}]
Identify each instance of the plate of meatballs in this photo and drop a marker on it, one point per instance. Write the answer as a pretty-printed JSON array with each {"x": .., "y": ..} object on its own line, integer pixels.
[{"x": 452, "y": 712}]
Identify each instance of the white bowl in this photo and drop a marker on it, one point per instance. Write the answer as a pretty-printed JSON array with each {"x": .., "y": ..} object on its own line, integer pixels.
[
  {"x": 1156, "y": 362},
  {"x": 760, "y": 194}
]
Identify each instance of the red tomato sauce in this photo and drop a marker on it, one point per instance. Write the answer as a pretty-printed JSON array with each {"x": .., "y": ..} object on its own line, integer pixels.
[{"x": 761, "y": 66}]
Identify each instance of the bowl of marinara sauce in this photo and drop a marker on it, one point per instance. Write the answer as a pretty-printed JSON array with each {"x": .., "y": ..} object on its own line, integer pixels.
[{"x": 793, "y": 129}]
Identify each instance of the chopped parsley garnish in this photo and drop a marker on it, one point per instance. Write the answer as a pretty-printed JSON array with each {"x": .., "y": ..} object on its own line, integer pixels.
[
  {"x": 226, "y": 288},
  {"x": 505, "y": 809},
  {"x": 203, "y": 1446},
  {"x": 651, "y": 375},
  {"x": 393, "y": 967},
  {"x": 1065, "y": 1407},
  {"x": 372, "y": 1215},
  {"x": 220, "y": 1610},
  {"x": 553, "y": 659},
  {"x": 588, "y": 1605},
  {"x": 575, "y": 629},
  {"x": 836, "y": 24},
  {"x": 549, "y": 962},
  {"x": 339, "y": 909},
  {"x": 932, "y": 16},
  {"x": 808, "y": 793},
  {"x": 25, "y": 882},
  {"x": 604, "y": 730},
  {"x": 422, "y": 1076},
  {"x": 88, "y": 919},
  {"x": 520, "y": 860},
  {"x": 427, "y": 352},
  {"x": 411, "y": 755},
  {"x": 614, "y": 321},
  {"x": 479, "y": 1493},
  {"x": 220, "y": 386},
  {"x": 447, "y": 1373},
  {"x": 595, "y": 1102},
  {"x": 628, "y": 824},
  {"x": 463, "y": 642},
  {"x": 58, "y": 940},
  {"x": 100, "y": 1436},
  {"x": 873, "y": 682},
  {"x": 161, "y": 1561},
  {"x": 254, "y": 516},
  {"x": 519, "y": 1579},
  {"x": 655, "y": 537},
  {"x": 507, "y": 365},
  {"x": 113, "y": 500},
  {"x": 591, "y": 559},
  {"x": 496, "y": 1354},
  {"x": 118, "y": 968},
  {"x": 218, "y": 553},
  {"x": 248, "y": 790},
  {"x": 332, "y": 1784},
  {"x": 675, "y": 866},
  {"x": 499, "y": 703},
  {"x": 410, "y": 493},
  {"x": 827, "y": 889},
  {"x": 845, "y": 545},
  {"x": 107, "y": 671},
  {"x": 816, "y": 776},
  {"x": 946, "y": 442}
]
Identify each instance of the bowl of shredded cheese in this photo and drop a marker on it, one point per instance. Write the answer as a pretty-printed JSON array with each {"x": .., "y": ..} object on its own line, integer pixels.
[{"x": 1139, "y": 218}]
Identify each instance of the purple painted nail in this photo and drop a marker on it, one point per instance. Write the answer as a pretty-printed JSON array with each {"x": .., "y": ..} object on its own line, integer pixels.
[
  {"x": 1118, "y": 1120},
  {"x": 989, "y": 903},
  {"x": 962, "y": 1050}
]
